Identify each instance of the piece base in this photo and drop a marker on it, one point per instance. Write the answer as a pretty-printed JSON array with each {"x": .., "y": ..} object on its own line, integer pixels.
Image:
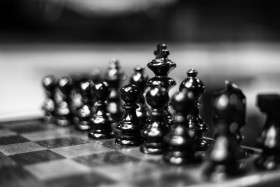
[
  {"x": 151, "y": 150},
  {"x": 95, "y": 135},
  {"x": 127, "y": 142}
]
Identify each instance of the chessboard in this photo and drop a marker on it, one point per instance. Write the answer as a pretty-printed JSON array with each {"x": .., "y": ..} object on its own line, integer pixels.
[{"x": 34, "y": 153}]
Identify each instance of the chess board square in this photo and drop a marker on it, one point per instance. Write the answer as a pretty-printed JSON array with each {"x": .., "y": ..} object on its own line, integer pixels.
[
  {"x": 110, "y": 144},
  {"x": 17, "y": 176},
  {"x": 61, "y": 142},
  {"x": 30, "y": 128},
  {"x": 164, "y": 180},
  {"x": 47, "y": 134},
  {"x": 90, "y": 179},
  {"x": 129, "y": 171},
  {"x": 81, "y": 150},
  {"x": 20, "y": 148},
  {"x": 105, "y": 158},
  {"x": 18, "y": 123},
  {"x": 12, "y": 140},
  {"x": 6, "y": 161},
  {"x": 135, "y": 152},
  {"x": 57, "y": 169},
  {"x": 6, "y": 132},
  {"x": 35, "y": 157}
]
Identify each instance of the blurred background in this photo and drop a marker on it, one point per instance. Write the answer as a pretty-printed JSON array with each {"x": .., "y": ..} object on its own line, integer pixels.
[{"x": 224, "y": 40}]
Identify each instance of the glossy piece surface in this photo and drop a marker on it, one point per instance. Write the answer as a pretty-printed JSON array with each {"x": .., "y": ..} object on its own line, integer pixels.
[
  {"x": 180, "y": 145},
  {"x": 140, "y": 78},
  {"x": 156, "y": 126},
  {"x": 101, "y": 122},
  {"x": 229, "y": 107},
  {"x": 270, "y": 136},
  {"x": 162, "y": 66},
  {"x": 195, "y": 87},
  {"x": 129, "y": 125},
  {"x": 64, "y": 115},
  {"x": 84, "y": 112},
  {"x": 49, "y": 84},
  {"x": 114, "y": 76}
]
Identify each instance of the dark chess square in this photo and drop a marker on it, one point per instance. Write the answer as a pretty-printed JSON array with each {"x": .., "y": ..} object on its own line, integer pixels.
[
  {"x": 35, "y": 157},
  {"x": 12, "y": 140}
]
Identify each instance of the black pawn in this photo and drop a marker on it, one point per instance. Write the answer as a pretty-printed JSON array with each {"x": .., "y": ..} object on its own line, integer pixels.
[
  {"x": 139, "y": 78},
  {"x": 195, "y": 86},
  {"x": 129, "y": 125},
  {"x": 156, "y": 126},
  {"x": 114, "y": 76},
  {"x": 270, "y": 137},
  {"x": 84, "y": 112},
  {"x": 101, "y": 122},
  {"x": 161, "y": 67},
  {"x": 64, "y": 116},
  {"x": 223, "y": 156},
  {"x": 180, "y": 149},
  {"x": 77, "y": 78},
  {"x": 49, "y": 84}
]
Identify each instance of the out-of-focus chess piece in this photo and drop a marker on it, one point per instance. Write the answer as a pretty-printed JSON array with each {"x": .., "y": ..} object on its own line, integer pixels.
[
  {"x": 229, "y": 109},
  {"x": 84, "y": 112},
  {"x": 49, "y": 84},
  {"x": 64, "y": 116},
  {"x": 180, "y": 148},
  {"x": 270, "y": 136},
  {"x": 114, "y": 76},
  {"x": 101, "y": 122},
  {"x": 139, "y": 78}
]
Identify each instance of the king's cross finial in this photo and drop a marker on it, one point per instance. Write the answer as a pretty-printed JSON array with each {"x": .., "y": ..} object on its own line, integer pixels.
[{"x": 161, "y": 51}]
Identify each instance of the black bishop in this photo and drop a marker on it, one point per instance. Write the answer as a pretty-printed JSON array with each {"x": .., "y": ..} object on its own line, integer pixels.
[{"x": 195, "y": 86}]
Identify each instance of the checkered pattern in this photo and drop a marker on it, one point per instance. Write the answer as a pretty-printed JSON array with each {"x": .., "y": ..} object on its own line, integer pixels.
[
  {"x": 46, "y": 155},
  {"x": 33, "y": 153}
]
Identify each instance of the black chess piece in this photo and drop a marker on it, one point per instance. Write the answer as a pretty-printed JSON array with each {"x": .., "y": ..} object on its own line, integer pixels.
[
  {"x": 77, "y": 78},
  {"x": 95, "y": 75},
  {"x": 84, "y": 112},
  {"x": 140, "y": 78},
  {"x": 64, "y": 116},
  {"x": 114, "y": 76},
  {"x": 130, "y": 124},
  {"x": 156, "y": 126},
  {"x": 161, "y": 67},
  {"x": 180, "y": 148},
  {"x": 49, "y": 84},
  {"x": 101, "y": 122},
  {"x": 195, "y": 86},
  {"x": 269, "y": 159},
  {"x": 229, "y": 109}
]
